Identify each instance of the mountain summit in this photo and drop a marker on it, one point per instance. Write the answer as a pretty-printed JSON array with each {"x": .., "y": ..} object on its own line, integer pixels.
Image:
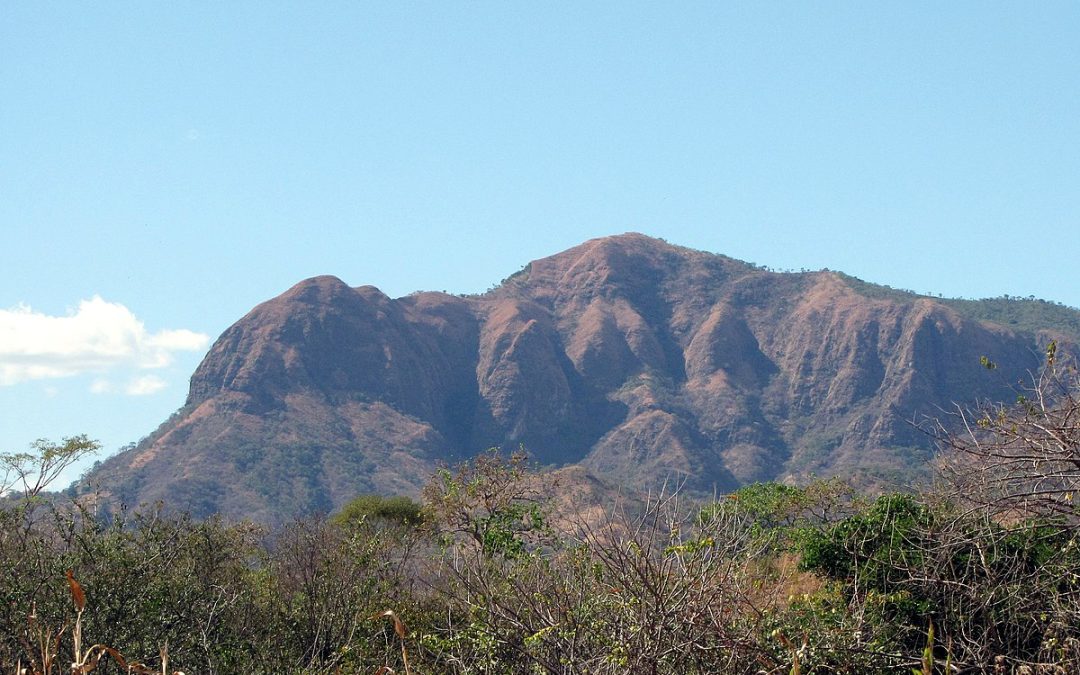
[{"x": 638, "y": 360}]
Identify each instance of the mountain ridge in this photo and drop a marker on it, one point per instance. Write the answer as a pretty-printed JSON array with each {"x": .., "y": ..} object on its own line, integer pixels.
[{"x": 638, "y": 360}]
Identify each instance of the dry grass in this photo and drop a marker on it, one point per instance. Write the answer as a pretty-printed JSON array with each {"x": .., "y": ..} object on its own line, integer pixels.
[
  {"x": 399, "y": 630},
  {"x": 43, "y": 645}
]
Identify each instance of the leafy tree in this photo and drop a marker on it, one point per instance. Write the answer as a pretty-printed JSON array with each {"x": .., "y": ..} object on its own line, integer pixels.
[
  {"x": 779, "y": 513},
  {"x": 493, "y": 501},
  {"x": 33, "y": 471},
  {"x": 990, "y": 589},
  {"x": 380, "y": 511}
]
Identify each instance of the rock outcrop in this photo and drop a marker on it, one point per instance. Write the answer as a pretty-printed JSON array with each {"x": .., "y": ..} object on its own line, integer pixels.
[{"x": 638, "y": 360}]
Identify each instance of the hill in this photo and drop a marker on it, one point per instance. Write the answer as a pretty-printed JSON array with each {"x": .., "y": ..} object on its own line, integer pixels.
[{"x": 638, "y": 360}]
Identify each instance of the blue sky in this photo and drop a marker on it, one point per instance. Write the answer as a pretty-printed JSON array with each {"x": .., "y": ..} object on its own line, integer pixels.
[{"x": 166, "y": 166}]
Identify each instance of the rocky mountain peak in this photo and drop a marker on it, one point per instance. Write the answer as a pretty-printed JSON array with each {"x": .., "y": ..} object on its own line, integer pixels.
[{"x": 635, "y": 359}]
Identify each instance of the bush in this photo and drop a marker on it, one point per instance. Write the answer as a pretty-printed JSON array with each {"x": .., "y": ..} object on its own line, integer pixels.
[
  {"x": 380, "y": 511},
  {"x": 497, "y": 573}
]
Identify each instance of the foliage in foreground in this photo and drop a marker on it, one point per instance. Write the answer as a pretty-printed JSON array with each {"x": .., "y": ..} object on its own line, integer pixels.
[
  {"x": 497, "y": 572},
  {"x": 772, "y": 579}
]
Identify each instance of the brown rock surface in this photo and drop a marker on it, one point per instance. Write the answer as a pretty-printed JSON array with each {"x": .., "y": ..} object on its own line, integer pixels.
[{"x": 640, "y": 361}]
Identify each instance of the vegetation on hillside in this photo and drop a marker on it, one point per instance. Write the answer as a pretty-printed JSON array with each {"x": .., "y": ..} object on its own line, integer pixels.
[
  {"x": 1026, "y": 315},
  {"x": 497, "y": 572}
]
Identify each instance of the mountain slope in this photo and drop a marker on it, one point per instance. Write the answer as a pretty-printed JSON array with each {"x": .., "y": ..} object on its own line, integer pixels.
[{"x": 639, "y": 360}]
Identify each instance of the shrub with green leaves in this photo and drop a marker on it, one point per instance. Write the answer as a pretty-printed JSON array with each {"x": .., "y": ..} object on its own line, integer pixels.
[
  {"x": 991, "y": 589},
  {"x": 377, "y": 510}
]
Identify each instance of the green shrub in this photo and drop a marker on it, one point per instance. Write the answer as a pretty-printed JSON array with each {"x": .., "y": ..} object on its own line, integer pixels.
[{"x": 380, "y": 510}]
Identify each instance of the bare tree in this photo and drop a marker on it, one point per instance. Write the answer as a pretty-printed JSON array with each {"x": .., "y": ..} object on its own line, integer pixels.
[
  {"x": 1021, "y": 458},
  {"x": 658, "y": 589}
]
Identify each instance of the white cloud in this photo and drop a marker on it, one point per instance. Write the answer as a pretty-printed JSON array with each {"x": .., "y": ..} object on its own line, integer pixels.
[
  {"x": 178, "y": 340},
  {"x": 97, "y": 337},
  {"x": 100, "y": 386},
  {"x": 144, "y": 386}
]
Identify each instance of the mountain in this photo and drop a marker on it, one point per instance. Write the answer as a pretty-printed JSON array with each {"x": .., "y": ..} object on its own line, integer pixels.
[{"x": 637, "y": 360}]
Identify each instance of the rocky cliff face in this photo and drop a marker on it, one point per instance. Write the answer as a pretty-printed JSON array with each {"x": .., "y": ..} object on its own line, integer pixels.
[{"x": 638, "y": 360}]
